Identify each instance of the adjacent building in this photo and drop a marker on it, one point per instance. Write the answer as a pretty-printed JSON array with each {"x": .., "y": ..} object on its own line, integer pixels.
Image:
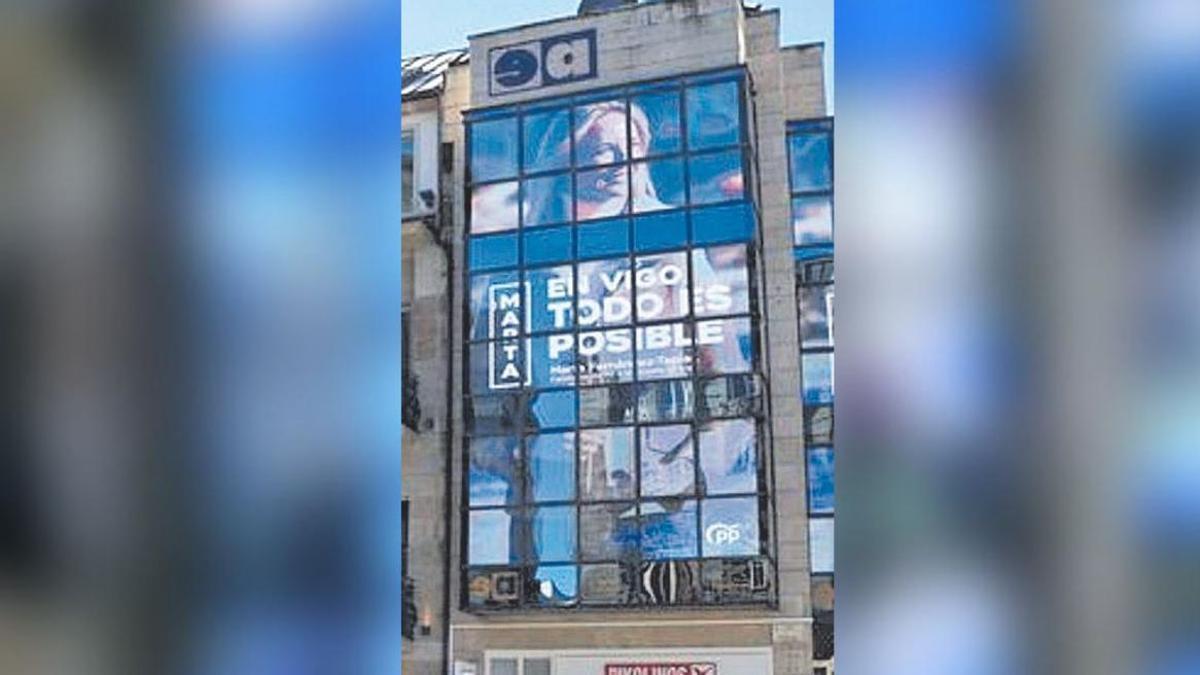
[{"x": 618, "y": 289}]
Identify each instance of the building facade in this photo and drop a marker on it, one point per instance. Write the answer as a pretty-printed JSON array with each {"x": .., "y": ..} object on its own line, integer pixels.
[{"x": 618, "y": 285}]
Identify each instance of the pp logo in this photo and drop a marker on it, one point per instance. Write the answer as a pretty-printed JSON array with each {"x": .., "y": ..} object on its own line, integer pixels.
[
  {"x": 722, "y": 533},
  {"x": 542, "y": 63}
]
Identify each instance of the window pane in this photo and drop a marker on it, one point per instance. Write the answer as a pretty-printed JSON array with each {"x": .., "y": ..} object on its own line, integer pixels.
[
  {"x": 497, "y": 366},
  {"x": 818, "y": 425},
  {"x": 492, "y": 252},
  {"x": 664, "y": 351},
  {"x": 490, "y": 538},
  {"x": 551, "y": 467},
  {"x": 820, "y": 544},
  {"x": 504, "y": 667},
  {"x": 494, "y": 208},
  {"x": 547, "y": 140},
  {"x": 811, "y": 162},
  {"x": 716, "y": 178},
  {"x": 552, "y": 409},
  {"x": 713, "y": 115},
  {"x": 609, "y": 531},
  {"x": 729, "y": 396},
  {"x": 657, "y": 185},
  {"x": 407, "y": 194},
  {"x": 606, "y": 464},
  {"x": 495, "y": 305},
  {"x": 722, "y": 280},
  {"x": 724, "y": 346},
  {"x": 494, "y": 470},
  {"x": 537, "y": 666},
  {"x": 554, "y": 534},
  {"x": 604, "y": 293},
  {"x": 660, "y": 231},
  {"x": 812, "y": 220},
  {"x": 730, "y": 527},
  {"x": 606, "y": 405},
  {"x": 606, "y": 585},
  {"x": 554, "y": 586},
  {"x": 729, "y": 457},
  {"x": 667, "y": 461},
  {"x": 600, "y": 133},
  {"x": 822, "y": 594},
  {"x": 546, "y": 200},
  {"x": 604, "y": 238},
  {"x": 722, "y": 224},
  {"x": 605, "y": 356},
  {"x": 655, "y": 122},
  {"x": 548, "y": 245},
  {"x": 816, "y": 314},
  {"x": 662, "y": 286},
  {"x": 670, "y": 401},
  {"x": 492, "y": 414},
  {"x": 553, "y": 361},
  {"x": 669, "y": 529},
  {"x": 602, "y": 193},
  {"x": 820, "y": 480},
  {"x": 818, "y": 378},
  {"x": 494, "y": 149},
  {"x": 552, "y": 305}
]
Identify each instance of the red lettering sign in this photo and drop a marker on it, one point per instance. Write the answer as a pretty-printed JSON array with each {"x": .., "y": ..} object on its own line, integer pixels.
[{"x": 660, "y": 669}]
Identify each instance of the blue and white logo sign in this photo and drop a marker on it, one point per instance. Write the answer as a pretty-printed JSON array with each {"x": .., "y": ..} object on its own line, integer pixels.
[{"x": 542, "y": 63}]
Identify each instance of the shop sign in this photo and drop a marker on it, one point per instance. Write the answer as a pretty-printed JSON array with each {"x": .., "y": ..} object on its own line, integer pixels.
[
  {"x": 542, "y": 63},
  {"x": 660, "y": 669}
]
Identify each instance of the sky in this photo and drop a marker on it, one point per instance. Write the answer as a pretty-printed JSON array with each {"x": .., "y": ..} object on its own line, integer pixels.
[{"x": 433, "y": 25}]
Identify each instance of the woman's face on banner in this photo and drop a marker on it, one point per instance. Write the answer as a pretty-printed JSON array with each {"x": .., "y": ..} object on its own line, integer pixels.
[{"x": 605, "y": 191}]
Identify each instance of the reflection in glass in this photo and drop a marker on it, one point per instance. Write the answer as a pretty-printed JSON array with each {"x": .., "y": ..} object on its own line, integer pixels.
[
  {"x": 492, "y": 252},
  {"x": 660, "y": 231},
  {"x": 716, "y": 178},
  {"x": 492, "y": 414},
  {"x": 666, "y": 179},
  {"x": 604, "y": 293},
  {"x": 494, "y": 208},
  {"x": 817, "y": 370},
  {"x": 554, "y": 534},
  {"x": 816, "y": 313},
  {"x": 553, "y": 360},
  {"x": 552, "y": 409},
  {"x": 722, "y": 282},
  {"x": 812, "y": 220},
  {"x": 730, "y": 527},
  {"x": 547, "y": 140},
  {"x": 605, "y": 356},
  {"x": 669, "y": 401},
  {"x": 551, "y": 305},
  {"x": 487, "y": 293},
  {"x": 729, "y": 396},
  {"x": 669, "y": 529},
  {"x": 551, "y": 467},
  {"x": 606, "y": 468},
  {"x": 548, "y": 245},
  {"x": 713, "y": 113},
  {"x": 494, "y": 149},
  {"x": 493, "y": 475},
  {"x": 820, "y": 544},
  {"x": 490, "y": 538},
  {"x": 724, "y": 346},
  {"x": 608, "y": 531},
  {"x": 818, "y": 425},
  {"x": 662, "y": 286},
  {"x": 820, "y": 480},
  {"x": 555, "y": 586},
  {"x": 546, "y": 200},
  {"x": 606, "y": 405},
  {"x": 667, "y": 461},
  {"x": 729, "y": 457},
  {"x": 811, "y": 162},
  {"x": 605, "y": 585},
  {"x": 662, "y": 116}
]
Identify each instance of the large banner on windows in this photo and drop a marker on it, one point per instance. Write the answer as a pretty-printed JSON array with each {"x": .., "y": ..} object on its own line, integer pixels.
[{"x": 681, "y": 304}]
